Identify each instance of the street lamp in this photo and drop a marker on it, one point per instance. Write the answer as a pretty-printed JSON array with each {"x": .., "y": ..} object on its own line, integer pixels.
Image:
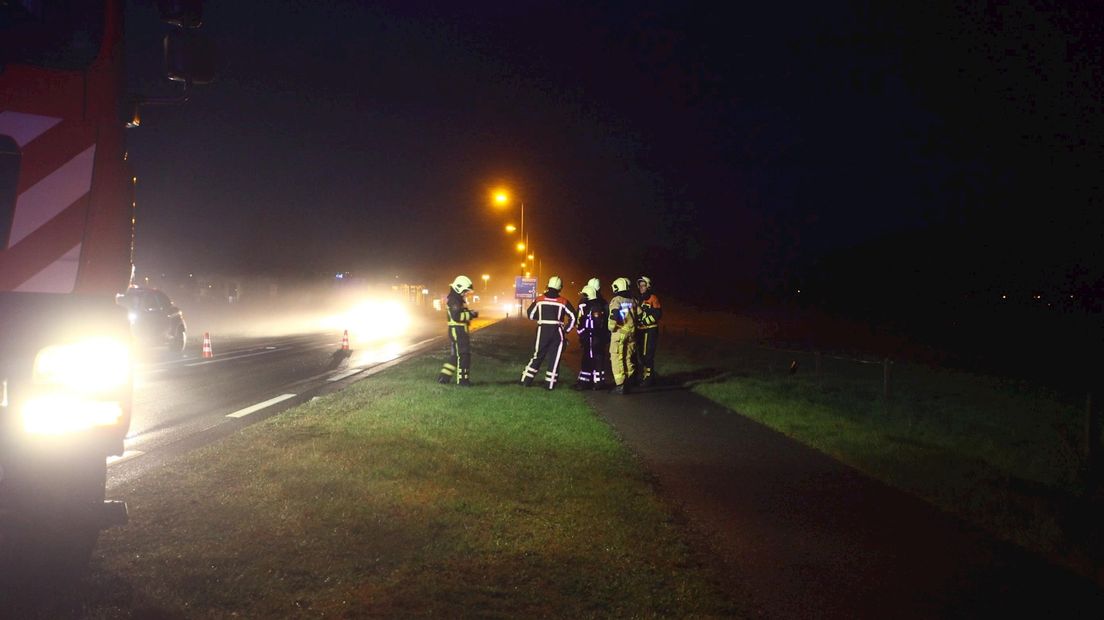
[
  {"x": 486, "y": 277},
  {"x": 502, "y": 197}
]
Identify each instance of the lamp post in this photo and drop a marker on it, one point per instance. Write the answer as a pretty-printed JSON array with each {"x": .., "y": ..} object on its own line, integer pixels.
[
  {"x": 502, "y": 198},
  {"x": 486, "y": 277}
]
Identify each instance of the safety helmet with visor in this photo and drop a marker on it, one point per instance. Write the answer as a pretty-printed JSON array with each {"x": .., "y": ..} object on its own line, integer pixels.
[{"x": 462, "y": 284}]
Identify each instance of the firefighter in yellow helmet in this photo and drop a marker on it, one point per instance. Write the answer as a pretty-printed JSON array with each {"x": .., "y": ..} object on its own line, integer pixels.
[
  {"x": 623, "y": 315},
  {"x": 648, "y": 329},
  {"x": 456, "y": 369}
]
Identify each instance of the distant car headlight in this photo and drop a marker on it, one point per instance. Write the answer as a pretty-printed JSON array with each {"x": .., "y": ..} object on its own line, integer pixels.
[
  {"x": 372, "y": 321},
  {"x": 76, "y": 386}
]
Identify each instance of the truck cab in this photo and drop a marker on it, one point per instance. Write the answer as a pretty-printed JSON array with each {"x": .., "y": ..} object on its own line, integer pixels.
[{"x": 66, "y": 236}]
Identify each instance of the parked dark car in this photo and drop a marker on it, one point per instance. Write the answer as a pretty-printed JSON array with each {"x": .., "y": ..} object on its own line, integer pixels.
[{"x": 154, "y": 320}]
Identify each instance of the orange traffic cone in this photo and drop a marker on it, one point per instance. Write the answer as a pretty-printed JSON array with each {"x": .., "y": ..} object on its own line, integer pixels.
[
  {"x": 345, "y": 341},
  {"x": 207, "y": 351}
]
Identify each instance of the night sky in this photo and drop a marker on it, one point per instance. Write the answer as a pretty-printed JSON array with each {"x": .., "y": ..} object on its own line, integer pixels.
[{"x": 730, "y": 153}]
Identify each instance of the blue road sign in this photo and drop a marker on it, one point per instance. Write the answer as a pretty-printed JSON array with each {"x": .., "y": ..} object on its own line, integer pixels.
[{"x": 525, "y": 288}]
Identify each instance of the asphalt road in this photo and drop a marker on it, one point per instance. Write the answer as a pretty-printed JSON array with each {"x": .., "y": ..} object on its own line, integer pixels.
[{"x": 185, "y": 401}]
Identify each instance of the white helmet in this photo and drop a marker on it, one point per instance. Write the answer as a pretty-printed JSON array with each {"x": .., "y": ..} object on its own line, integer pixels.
[
  {"x": 595, "y": 284},
  {"x": 555, "y": 282},
  {"x": 461, "y": 284},
  {"x": 620, "y": 285},
  {"x": 590, "y": 292},
  {"x": 646, "y": 280}
]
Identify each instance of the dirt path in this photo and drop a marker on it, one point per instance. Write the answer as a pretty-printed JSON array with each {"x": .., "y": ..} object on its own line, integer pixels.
[{"x": 801, "y": 535}]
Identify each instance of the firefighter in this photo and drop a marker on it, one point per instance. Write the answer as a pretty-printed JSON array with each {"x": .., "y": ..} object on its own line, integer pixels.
[
  {"x": 550, "y": 310},
  {"x": 648, "y": 329},
  {"x": 591, "y": 318},
  {"x": 459, "y": 317},
  {"x": 601, "y": 335},
  {"x": 622, "y": 326}
]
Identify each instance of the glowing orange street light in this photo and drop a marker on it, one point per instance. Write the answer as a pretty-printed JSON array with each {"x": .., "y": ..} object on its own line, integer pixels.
[
  {"x": 530, "y": 257},
  {"x": 501, "y": 198},
  {"x": 520, "y": 246},
  {"x": 510, "y": 228},
  {"x": 486, "y": 277}
]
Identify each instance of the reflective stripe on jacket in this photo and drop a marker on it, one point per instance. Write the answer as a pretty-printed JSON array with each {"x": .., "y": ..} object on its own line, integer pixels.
[
  {"x": 622, "y": 315},
  {"x": 547, "y": 310}
]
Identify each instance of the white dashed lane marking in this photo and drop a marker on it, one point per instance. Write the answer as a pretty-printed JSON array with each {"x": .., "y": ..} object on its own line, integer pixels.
[{"x": 241, "y": 413}]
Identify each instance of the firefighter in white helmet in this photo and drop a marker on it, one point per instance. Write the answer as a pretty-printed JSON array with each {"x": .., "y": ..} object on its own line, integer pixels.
[
  {"x": 647, "y": 334},
  {"x": 601, "y": 337},
  {"x": 591, "y": 319},
  {"x": 459, "y": 316},
  {"x": 623, "y": 314},
  {"x": 551, "y": 311}
]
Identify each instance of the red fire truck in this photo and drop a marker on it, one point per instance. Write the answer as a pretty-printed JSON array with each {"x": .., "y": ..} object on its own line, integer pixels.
[{"x": 66, "y": 232}]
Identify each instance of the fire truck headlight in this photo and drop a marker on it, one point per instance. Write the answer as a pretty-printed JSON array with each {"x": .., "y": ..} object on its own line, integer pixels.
[
  {"x": 56, "y": 414},
  {"x": 76, "y": 386},
  {"x": 91, "y": 366}
]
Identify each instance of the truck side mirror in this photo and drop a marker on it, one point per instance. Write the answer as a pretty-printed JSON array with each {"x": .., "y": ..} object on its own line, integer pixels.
[
  {"x": 10, "y": 158},
  {"x": 182, "y": 13},
  {"x": 189, "y": 57}
]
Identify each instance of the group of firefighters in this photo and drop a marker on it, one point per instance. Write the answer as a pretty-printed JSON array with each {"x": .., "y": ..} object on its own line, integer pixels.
[{"x": 617, "y": 338}]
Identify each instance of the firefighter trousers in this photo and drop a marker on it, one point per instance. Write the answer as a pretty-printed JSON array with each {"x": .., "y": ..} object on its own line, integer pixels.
[
  {"x": 456, "y": 369},
  {"x": 649, "y": 340},
  {"x": 622, "y": 350},
  {"x": 550, "y": 342},
  {"x": 592, "y": 366}
]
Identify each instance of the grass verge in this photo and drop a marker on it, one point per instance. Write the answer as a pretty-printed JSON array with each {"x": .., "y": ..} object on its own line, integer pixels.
[
  {"x": 399, "y": 496},
  {"x": 1003, "y": 454}
]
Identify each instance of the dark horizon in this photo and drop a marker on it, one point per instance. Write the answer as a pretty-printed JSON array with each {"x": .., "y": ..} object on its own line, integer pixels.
[{"x": 732, "y": 155}]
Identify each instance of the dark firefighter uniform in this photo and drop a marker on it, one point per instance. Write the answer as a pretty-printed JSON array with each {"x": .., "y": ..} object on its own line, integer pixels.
[
  {"x": 622, "y": 326},
  {"x": 595, "y": 351},
  {"x": 648, "y": 329},
  {"x": 550, "y": 310},
  {"x": 456, "y": 369},
  {"x": 601, "y": 336}
]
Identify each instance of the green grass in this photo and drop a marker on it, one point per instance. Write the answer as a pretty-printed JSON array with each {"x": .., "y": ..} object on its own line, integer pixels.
[
  {"x": 398, "y": 496},
  {"x": 1003, "y": 454}
]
